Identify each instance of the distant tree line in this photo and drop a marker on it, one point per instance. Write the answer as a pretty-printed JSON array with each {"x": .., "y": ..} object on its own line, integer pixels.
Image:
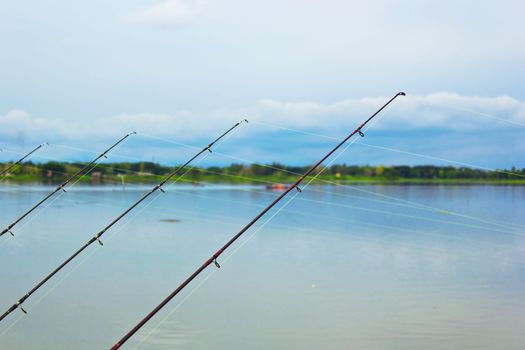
[{"x": 274, "y": 170}]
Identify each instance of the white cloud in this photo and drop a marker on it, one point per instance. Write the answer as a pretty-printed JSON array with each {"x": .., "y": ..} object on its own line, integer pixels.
[
  {"x": 435, "y": 111},
  {"x": 17, "y": 122},
  {"x": 20, "y": 124},
  {"x": 485, "y": 130},
  {"x": 167, "y": 13}
]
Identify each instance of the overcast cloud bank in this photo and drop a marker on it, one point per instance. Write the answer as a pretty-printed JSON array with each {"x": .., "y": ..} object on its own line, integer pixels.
[{"x": 431, "y": 112}]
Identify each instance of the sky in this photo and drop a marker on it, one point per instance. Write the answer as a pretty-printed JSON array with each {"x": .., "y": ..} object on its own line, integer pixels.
[{"x": 80, "y": 75}]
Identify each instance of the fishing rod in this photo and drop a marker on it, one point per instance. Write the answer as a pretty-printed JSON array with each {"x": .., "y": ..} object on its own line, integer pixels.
[
  {"x": 215, "y": 256},
  {"x": 96, "y": 238},
  {"x": 22, "y": 159},
  {"x": 64, "y": 184}
]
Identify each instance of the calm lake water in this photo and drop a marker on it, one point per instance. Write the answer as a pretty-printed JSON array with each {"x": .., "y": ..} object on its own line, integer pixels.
[{"x": 339, "y": 268}]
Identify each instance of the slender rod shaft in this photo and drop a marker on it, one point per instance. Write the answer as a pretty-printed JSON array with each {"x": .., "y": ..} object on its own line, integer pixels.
[
  {"x": 63, "y": 185},
  {"x": 5, "y": 171},
  {"x": 97, "y": 236},
  {"x": 213, "y": 258}
]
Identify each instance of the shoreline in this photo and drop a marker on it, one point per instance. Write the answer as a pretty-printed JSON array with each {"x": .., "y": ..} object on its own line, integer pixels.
[
  {"x": 212, "y": 180},
  {"x": 274, "y": 173}
]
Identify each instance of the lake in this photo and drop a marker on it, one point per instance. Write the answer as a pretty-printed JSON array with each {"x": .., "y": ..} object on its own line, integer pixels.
[{"x": 363, "y": 267}]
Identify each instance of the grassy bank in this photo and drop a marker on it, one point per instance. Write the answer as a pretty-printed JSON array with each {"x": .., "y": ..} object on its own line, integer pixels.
[
  {"x": 262, "y": 180},
  {"x": 146, "y": 173}
]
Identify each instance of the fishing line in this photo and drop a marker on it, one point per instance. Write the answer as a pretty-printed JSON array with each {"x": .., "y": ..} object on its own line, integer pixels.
[
  {"x": 46, "y": 205},
  {"x": 5, "y": 172},
  {"x": 63, "y": 278},
  {"x": 90, "y": 254},
  {"x": 415, "y": 205},
  {"x": 214, "y": 257},
  {"x": 439, "y": 210},
  {"x": 189, "y": 193},
  {"x": 87, "y": 150},
  {"x": 114, "y": 233},
  {"x": 96, "y": 237},
  {"x": 214, "y": 218},
  {"x": 362, "y": 142},
  {"x": 62, "y": 186},
  {"x": 506, "y": 225},
  {"x": 83, "y": 172},
  {"x": 242, "y": 244},
  {"x": 236, "y": 249},
  {"x": 420, "y": 205},
  {"x": 384, "y": 212},
  {"x": 481, "y": 113},
  {"x": 408, "y": 204}
]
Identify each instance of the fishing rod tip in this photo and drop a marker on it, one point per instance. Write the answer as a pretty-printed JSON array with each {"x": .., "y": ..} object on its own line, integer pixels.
[
  {"x": 45, "y": 144},
  {"x": 132, "y": 133},
  {"x": 243, "y": 121},
  {"x": 401, "y": 93}
]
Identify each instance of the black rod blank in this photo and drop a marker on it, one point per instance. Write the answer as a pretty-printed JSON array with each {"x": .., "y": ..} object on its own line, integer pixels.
[
  {"x": 5, "y": 171},
  {"x": 64, "y": 184},
  {"x": 96, "y": 238},
  {"x": 213, "y": 258}
]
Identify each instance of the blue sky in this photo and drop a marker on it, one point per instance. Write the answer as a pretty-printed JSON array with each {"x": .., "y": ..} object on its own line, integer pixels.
[{"x": 82, "y": 74}]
